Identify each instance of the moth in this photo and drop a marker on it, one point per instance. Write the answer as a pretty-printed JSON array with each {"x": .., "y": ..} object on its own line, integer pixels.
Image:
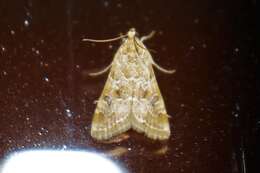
[{"x": 131, "y": 97}]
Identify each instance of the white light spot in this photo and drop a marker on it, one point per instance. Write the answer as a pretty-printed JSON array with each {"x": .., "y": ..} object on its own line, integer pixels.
[
  {"x": 236, "y": 49},
  {"x": 51, "y": 161}
]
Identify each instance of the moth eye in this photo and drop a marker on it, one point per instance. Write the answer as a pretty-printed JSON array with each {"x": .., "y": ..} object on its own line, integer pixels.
[{"x": 108, "y": 100}]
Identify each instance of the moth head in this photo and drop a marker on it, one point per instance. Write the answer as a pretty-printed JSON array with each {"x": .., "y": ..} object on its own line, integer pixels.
[{"x": 131, "y": 33}]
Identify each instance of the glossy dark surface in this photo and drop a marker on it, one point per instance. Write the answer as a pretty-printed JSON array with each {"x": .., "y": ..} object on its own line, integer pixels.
[{"x": 46, "y": 96}]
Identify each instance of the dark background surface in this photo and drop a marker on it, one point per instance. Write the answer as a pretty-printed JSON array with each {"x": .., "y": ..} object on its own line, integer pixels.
[{"x": 46, "y": 97}]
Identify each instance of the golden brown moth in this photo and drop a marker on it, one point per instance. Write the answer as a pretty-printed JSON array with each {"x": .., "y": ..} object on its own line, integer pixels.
[{"x": 131, "y": 97}]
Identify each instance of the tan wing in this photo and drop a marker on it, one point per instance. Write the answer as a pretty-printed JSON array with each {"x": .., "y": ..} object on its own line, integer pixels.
[
  {"x": 148, "y": 111},
  {"x": 111, "y": 116}
]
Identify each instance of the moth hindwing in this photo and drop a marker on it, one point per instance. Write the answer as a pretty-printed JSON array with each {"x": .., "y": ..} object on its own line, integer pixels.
[{"x": 131, "y": 97}]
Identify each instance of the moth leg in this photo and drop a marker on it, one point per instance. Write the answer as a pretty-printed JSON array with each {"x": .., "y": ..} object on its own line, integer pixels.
[
  {"x": 101, "y": 71},
  {"x": 163, "y": 69},
  {"x": 147, "y": 37}
]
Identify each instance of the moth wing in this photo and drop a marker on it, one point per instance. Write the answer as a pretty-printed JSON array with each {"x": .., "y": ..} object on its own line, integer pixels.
[
  {"x": 149, "y": 112},
  {"x": 157, "y": 121},
  {"x": 111, "y": 116}
]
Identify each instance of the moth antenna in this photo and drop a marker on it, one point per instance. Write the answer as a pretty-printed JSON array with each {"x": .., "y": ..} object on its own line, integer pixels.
[
  {"x": 147, "y": 37},
  {"x": 163, "y": 69},
  {"x": 101, "y": 71},
  {"x": 105, "y": 40}
]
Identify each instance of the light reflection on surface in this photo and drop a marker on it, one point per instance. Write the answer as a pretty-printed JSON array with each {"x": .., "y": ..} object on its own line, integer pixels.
[{"x": 52, "y": 161}]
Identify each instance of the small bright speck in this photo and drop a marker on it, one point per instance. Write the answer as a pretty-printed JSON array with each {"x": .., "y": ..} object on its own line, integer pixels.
[
  {"x": 110, "y": 46},
  {"x": 3, "y": 48},
  {"x": 68, "y": 112},
  {"x": 44, "y": 130},
  {"x": 192, "y": 47},
  {"x": 106, "y": 3},
  {"x": 51, "y": 161},
  {"x": 46, "y": 79},
  {"x": 5, "y": 73},
  {"x": 119, "y": 5},
  {"x": 12, "y": 32},
  {"x": 28, "y": 13},
  {"x": 237, "y": 107},
  {"x": 26, "y": 23}
]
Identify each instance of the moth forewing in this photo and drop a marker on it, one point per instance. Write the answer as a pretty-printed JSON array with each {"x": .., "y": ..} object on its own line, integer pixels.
[{"x": 131, "y": 97}]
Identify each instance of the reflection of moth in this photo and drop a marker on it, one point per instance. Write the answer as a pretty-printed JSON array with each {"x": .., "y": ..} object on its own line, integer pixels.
[{"x": 131, "y": 97}]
